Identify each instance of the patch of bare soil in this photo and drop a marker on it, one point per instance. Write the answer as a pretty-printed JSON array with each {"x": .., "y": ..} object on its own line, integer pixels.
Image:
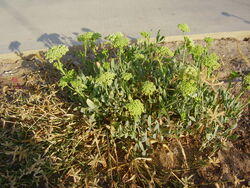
[
  {"x": 229, "y": 167},
  {"x": 233, "y": 169}
]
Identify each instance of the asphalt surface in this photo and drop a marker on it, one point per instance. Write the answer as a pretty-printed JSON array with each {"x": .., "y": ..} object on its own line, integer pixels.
[{"x": 36, "y": 24}]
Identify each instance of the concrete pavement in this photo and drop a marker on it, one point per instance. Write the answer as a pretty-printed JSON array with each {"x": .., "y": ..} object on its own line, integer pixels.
[{"x": 36, "y": 24}]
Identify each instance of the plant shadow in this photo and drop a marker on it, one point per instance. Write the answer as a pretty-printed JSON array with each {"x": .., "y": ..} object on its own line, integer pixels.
[
  {"x": 234, "y": 16},
  {"x": 52, "y": 39},
  {"x": 35, "y": 61}
]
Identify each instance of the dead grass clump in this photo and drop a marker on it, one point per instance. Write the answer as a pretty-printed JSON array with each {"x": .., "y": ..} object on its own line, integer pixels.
[{"x": 44, "y": 143}]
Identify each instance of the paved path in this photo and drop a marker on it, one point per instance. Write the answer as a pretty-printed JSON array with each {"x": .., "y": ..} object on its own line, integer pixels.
[{"x": 35, "y": 24}]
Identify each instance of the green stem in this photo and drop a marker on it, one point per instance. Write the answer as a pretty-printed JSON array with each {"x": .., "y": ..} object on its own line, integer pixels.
[
  {"x": 120, "y": 59},
  {"x": 61, "y": 69},
  {"x": 85, "y": 49},
  {"x": 184, "y": 52}
]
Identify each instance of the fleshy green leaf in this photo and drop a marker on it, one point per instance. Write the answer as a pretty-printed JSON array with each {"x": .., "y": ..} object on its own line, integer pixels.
[{"x": 91, "y": 104}]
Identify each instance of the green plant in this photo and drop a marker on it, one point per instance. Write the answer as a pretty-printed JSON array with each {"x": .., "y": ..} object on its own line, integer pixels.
[
  {"x": 123, "y": 89},
  {"x": 126, "y": 107},
  {"x": 89, "y": 42},
  {"x": 148, "y": 88},
  {"x": 184, "y": 27},
  {"x": 135, "y": 108},
  {"x": 55, "y": 54}
]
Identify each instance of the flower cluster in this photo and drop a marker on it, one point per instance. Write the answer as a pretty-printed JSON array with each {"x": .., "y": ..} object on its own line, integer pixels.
[
  {"x": 183, "y": 27},
  {"x": 197, "y": 51},
  {"x": 188, "y": 88},
  {"x": 139, "y": 56},
  {"x": 127, "y": 76},
  {"x": 135, "y": 108},
  {"x": 148, "y": 88},
  {"x": 211, "y": 62},
  {"x": 188, "y": 85},
  {"x": 164, "y": 51},
  {"x": 56, "y": 52},
  {"x": 89, "y": 36},
  {"x": 190, "y": 73},
  {"x": 118, "y": 40},
  {"x": 105, "y": 79}
]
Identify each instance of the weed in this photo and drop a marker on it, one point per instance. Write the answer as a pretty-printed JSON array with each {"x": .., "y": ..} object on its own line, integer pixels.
[
  {"x": 127, "y": 101},
  {"x": 149, "y": 81}
]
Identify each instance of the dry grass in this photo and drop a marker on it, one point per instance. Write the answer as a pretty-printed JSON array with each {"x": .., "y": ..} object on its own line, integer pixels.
[{"x": 45, "y": 143}]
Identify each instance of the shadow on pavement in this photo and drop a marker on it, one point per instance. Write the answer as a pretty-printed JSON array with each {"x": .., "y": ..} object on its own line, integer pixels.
[
  {"x": 14, "y": 46},
  {"x": 231, "y": 15},
  {"x": 86, "y": 30},
  {"x": 52, "y": 39}
]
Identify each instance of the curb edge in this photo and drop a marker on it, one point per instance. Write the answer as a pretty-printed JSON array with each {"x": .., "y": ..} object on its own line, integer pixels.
[{"x": 239, "y": 35}]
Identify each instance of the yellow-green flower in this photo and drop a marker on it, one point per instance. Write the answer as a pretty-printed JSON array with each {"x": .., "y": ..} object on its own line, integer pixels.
[
  {"x": 139, "y": 56},
  {"x": 135, "y": 108},
  {"x": 211, "y": 62},
  {"x": 148, "y": 88},
  {"x": 165, "y": 51},
  {"x": 190, "y": 73},
  {"x": 188, "y": 88},
  {"x": 56, "y": 53},
  {"x": 127, "y": 76},
  {"x": 89, "y": 36},
  {"x": 118, "y": 40},
  {"x": 184, "y": 27},
  {"x": 197, "y": 51},
  {"x": 105, "y": 79}
]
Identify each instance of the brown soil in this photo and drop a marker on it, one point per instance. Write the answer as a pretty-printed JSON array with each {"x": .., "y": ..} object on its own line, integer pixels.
[{"x": 230, "y": 167}]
